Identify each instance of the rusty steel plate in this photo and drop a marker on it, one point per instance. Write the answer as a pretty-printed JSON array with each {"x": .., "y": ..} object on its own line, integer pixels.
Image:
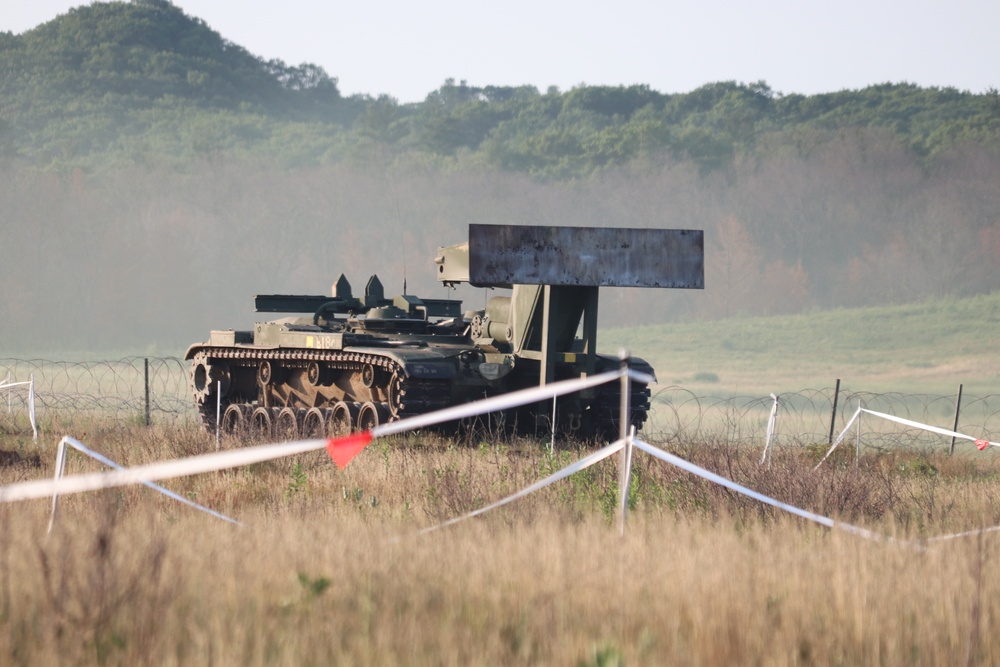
[{"x": 586, "y": 256}]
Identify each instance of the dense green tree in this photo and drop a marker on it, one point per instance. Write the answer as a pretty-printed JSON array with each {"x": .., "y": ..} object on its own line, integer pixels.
[
  {"x": 113, "y": 83},
  {"x": 98, "y": 72},
  {"x": 617, "y": 101}
]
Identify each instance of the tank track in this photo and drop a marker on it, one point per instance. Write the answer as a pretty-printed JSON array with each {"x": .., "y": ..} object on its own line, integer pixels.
[
  {"x": 415, "y": 396},
  {"x": 606, "y": 409}
]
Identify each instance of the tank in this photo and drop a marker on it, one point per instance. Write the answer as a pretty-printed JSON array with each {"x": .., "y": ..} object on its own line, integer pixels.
[{"x": 343, "y": 362}]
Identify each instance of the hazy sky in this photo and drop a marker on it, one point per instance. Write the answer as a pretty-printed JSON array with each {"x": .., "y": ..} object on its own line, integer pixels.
[{"x": 407, "y": 49}]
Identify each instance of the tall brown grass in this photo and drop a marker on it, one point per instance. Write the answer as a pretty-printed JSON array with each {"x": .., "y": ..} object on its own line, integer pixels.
[{"x": 329, "y": 570}]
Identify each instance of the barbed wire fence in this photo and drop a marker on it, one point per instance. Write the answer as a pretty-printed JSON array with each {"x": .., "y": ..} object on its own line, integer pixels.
[
  {"x": 155, "y": 390},
  {"x": 812, "y": 417},
  {"x": 136, "y": 389}
]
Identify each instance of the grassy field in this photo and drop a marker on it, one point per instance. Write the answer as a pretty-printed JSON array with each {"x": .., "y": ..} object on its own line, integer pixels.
[
  {"x": 329, "y": 570},
  {"x": 919, "y": 348}
]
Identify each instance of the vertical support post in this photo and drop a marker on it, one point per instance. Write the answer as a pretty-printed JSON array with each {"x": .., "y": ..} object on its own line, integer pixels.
[
  {"x": 552, "y": 441},
  {"x": 772, "y": 423},
  {"x": 146, "y": 382},
  {"x": 958, "y": 410},
  {"x": 547, "y": 366},
  {"x": 590, "y": 329},
  {"x": 857, "y": 443},
  {"x": 626, "y": 391},
  {"x": 218, "y": 412},
  {"x": 60, "y": 466},
  {"x": 548, "y": 363},
  {"x": 31, "y": 407},
  {"x": 10, "y": 407},
  {"x": 624, "y": 422},
  {"x": 833, "y": 415}
]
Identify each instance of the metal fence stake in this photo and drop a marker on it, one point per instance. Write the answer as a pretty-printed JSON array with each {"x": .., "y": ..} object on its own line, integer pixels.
[
  {"x": 958, "y": 410},
  {"x": 833, "y": 414},
  {"x": 146, "y": 382},
  {"x": 857, "y": 443}
]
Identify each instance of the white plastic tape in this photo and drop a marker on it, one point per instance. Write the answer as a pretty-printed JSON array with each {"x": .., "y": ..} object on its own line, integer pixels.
[
  {"x": 729, "y": 484},
  {"x": 771, "y": 424},
  {"x": 31, "y": 408},
  {"x": 495, "y": 403},
  {"x": 213, "y": 462},
  {"x": 641, "y": 377},
  {"x": 981, "y": 443},
  {"x": 156, "y": 471},
  {"x": 683, "y": 464},
  {"x": 30, "y": 384},
  {"x": 60, "y": 466},
  {"x": 840, "y": 437},
  {"x": 14, "y": 384},
  {"x": 968, "y": 533},
  {"x": 932, "y": 429},
  {"x": 83, "y": 449},
  {"x": 582, "y": 464}
]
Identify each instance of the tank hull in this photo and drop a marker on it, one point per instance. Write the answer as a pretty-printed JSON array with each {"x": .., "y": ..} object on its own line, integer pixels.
[{"x": 284, "y": 392}]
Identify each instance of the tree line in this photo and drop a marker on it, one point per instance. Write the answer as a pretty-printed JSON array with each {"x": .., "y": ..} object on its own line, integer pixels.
[{"x": 115, "y": 83}]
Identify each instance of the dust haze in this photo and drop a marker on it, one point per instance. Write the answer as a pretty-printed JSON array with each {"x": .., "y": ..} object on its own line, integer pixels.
[{"x": 151, "y": 258}]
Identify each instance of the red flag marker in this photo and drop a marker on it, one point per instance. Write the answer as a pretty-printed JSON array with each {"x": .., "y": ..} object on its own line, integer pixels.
[
  {"x": 982, "y": 444},
  {"x": 343, "y": 450}
]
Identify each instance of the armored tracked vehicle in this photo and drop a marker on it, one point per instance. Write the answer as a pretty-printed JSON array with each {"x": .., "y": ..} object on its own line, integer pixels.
[{"x": 348, "y": 362}]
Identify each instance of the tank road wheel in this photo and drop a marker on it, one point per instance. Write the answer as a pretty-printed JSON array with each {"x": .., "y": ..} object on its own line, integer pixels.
[
  {"x": 340, "y": 419},
  {"x": 206, "y": 374},
  {"x": 235, "y": 420},
  {"x": 286, "y": 424},
  {"x": 371, "y": 415},
  {"x": 316, "y": 375},
  {"x": 314, "y": 424},
  {"x": 265, "y": 373},
  {"x": 330, "y": 425},
  {"x": 368, "y": 375},
  {"x": 261, "y": 423}
]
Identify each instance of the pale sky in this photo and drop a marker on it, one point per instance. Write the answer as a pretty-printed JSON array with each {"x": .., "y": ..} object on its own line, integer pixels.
[{"x": 407, "y": 49}]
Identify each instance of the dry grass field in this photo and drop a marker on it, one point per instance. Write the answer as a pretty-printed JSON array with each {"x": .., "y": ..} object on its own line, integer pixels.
[{"x": 328, "y": 568}]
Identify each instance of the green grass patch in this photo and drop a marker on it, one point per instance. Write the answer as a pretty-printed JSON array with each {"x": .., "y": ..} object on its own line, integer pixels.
[{"x": 929, "y": 347}]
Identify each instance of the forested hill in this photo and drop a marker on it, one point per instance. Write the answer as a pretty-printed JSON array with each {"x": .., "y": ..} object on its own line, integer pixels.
[
  {"x": 92, "y": 81},
  {"x": 122, "y": 57},
  {"x": 154, "y": 175},
  {"x": 114, "y": 83}
]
